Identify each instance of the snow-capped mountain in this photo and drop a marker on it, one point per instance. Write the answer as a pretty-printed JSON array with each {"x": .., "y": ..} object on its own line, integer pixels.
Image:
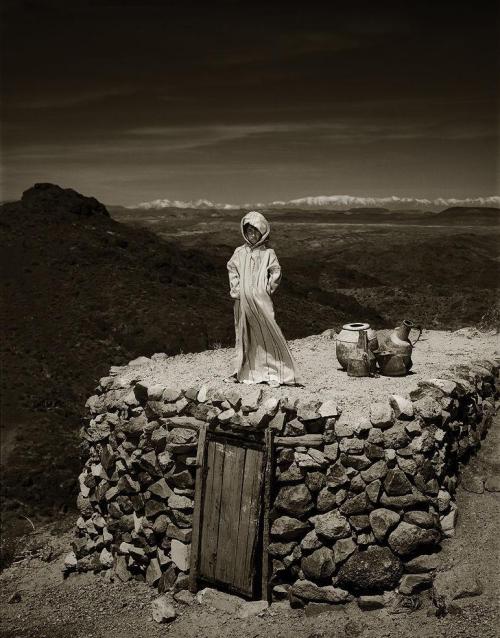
[{"x": 332, "y": 202}]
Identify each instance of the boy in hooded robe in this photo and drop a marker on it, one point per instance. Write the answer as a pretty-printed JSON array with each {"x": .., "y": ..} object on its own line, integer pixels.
[{"x": 262, "y": 354}]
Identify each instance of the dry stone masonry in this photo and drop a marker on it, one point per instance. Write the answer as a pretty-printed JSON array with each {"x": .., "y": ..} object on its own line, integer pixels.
[{"x": 359, "y": 506}]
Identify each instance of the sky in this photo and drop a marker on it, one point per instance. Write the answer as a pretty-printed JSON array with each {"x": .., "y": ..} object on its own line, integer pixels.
[{"x": 244, "y": 102}]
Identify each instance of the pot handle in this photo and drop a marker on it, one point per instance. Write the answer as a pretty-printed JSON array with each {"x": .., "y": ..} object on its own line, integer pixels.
[{"x": 420, "y": 329}]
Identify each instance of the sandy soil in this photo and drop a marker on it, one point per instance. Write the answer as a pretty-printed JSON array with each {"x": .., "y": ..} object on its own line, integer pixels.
[
  {"x": 89, "y": 606},
  {"x": 321, "y": 374}
]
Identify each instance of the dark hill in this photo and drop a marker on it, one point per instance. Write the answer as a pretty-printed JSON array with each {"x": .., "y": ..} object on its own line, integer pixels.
[
  {"x": 468, "y": 215},
  {"x": 81, "y": 292}
]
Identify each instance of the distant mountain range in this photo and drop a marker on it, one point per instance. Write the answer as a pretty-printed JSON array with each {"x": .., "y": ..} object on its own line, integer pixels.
[{"x": 332, "y": 202}]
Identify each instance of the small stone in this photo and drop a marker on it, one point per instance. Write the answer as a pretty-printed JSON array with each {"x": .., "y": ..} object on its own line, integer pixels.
[
  {"x": 407, "y": 538},
  {"x": 413, "y": 583},
  {"x": 220, "y": 600},
  {"x": 422, "y": 519},
  {"x": 381, "y": 415},
  {"x": 343, "y": 548},
  {"x": 360, "y": 522},
  {"x": 315, "y": 481},
  {"x": 319, "y": 565},
  {"x": 374, "y": 452},
  {"x": 106, "y": 558},
  {"x": 351, "y": 446},
  {"x": 294, "y": 428},
  {"x": 373, "y": 491},
  {"x": 413, "y": 428},
  {"x": 328, "y": 409},
  {"x": 308, "y": 590},
  {"x": 277, "y": 423},
  {"x": 377, "y": 471},
  {"x": 70, "y": 561},
  {"x": 403, "y": 407},
  {"x": 444, "y": 500},
  {"x": 121, "y": 569},
  {"x": 356, "y": 505},
  {"x": 310, "y": 541},
  {"x": 331, "y": 525},
  {"x": 368, "y": 603},
  {"x": 294, "y": 499},
  {"x": 396, "y": 483},
  {"x": 423, "y": 563},
  {"x": 183, "y": 535},
  {"x": 184, "y": 597},
  {"x": 15, "y": 598},
  {"x": 160, "y": 489},
  {"x": 286, "y": 528},
  {"x": 396, "y": 437},
  {"x": 448, "y": 522},
  {"x": 382, "y": 520},
  {"x": 428, "y": 408},
  {"x": 336, "y": 476},
  {"x": 252, "y": 608},
  {"x": 180, "y": 554},
  {"x": 281, "y": 550},
  {"x": 163, "y": 610},
  {"x": 177, "y": 502},
  {"x": 492, "y": 484},
  {"x": 153, "y": 572}
]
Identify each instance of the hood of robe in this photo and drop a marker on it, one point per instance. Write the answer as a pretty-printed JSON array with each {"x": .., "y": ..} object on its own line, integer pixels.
[{"x": 258, "y": 221}]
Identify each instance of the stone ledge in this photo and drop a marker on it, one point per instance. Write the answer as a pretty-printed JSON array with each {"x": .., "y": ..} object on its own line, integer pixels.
[{"x": 357, "y": 499}]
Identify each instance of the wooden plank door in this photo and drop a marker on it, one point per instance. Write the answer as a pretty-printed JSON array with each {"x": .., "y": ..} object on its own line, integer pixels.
[{"x": 227, "y": 529}]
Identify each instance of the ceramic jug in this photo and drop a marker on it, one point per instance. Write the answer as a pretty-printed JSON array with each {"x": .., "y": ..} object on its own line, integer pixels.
[
  {"x": 347, "y": 341},
  {"x": 358, "y": 364},
  {"x": 390, "y": 364},
  {"x": 399, "y": 342}
]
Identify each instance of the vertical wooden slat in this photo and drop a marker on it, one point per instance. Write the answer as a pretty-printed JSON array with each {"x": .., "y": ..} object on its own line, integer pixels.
[
  {"x": 198, "y": 508},
  {"x": 268, "y": 451},
  {"x": 249, "y": 524},
  {"x": 212, "y": 506},
  {"x": 229, "y": 513}
]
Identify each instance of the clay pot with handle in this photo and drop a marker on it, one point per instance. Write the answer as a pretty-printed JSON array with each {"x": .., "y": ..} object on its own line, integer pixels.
[
  {"x": 347, "y": 341},
  {"x": 398, "y": 342}
]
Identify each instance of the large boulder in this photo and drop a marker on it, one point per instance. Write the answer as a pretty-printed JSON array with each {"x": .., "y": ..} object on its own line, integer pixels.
[{"x": 372, "y": 571}]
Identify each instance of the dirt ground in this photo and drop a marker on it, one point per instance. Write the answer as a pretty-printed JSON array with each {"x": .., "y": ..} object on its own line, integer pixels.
[
  {"x": 36, "y": 602},
  {"x": 321, "y": 374}
]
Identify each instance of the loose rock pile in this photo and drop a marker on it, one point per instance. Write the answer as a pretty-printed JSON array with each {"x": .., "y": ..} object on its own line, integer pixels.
[{"x": 358, "y": 507}]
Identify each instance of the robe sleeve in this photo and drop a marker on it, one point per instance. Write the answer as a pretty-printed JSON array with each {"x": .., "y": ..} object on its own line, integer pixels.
[
  {"x": 234, "y": 277},
  {"x": 274, "y": 273}
]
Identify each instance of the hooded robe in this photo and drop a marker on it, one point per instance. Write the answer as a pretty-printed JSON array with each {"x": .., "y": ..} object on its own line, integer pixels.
[{"x": 262, "y": 354}]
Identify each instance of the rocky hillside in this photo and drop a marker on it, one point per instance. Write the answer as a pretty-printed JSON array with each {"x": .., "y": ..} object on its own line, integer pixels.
[{"x": 81, "y": 291}]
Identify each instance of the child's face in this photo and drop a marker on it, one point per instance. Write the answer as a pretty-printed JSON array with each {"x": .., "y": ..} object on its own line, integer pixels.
[{"x": 253, "y": 235}]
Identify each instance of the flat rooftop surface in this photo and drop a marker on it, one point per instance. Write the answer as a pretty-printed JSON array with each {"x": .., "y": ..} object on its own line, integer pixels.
[{"x": 321, "y": 374}]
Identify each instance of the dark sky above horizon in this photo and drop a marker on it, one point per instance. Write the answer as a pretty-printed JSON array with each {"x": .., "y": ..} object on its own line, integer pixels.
[{"x": 243, "y": 102}]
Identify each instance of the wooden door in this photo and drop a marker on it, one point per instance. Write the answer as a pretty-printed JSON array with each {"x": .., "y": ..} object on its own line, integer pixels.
[{"x": 228, "y": 542}]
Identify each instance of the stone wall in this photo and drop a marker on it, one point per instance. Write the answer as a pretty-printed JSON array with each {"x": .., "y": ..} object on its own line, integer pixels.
[{"x": 359, "y": 506}]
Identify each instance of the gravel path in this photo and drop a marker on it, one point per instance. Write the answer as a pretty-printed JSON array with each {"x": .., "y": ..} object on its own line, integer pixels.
[{"x": 321, "y": 373}]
